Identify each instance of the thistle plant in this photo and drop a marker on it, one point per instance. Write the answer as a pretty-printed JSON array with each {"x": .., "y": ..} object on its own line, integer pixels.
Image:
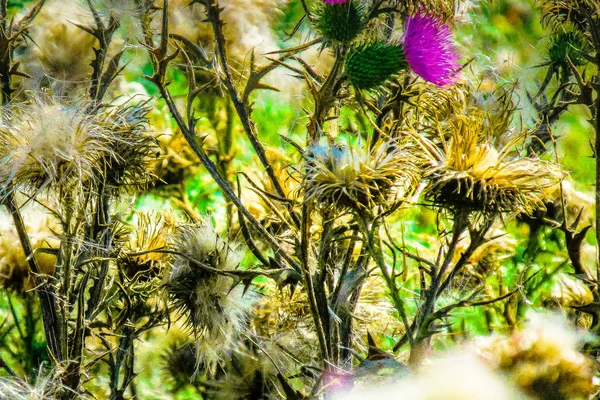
[
  {"x": 411, "y": 205},
  {"x": 340, "y": 177},
  {"x": 426, "y": 48}
]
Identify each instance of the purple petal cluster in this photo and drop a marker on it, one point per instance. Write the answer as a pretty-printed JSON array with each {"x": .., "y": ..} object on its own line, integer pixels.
[
  {"x": 429, "y": 49},
  {"x": 334, "y": 1}
]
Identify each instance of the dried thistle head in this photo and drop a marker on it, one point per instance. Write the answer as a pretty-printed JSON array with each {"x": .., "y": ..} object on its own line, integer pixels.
[
  {"x": 59, "y": 53},
  {"x": 282, "y": 316},
  {"x": 256, "y": 193},
  {"x": 48, "y": 143},
  {"x": 214, "y": 310},
  {"x": 542, "y": 359},
  {"x": 566, "y": 292},
  {"x": 578, "y": 204},
  {"x": 438, "y": 106},
  {"x": 177, "y": 161},
  {"x": 133, "y": 148},
  {"x": 247, "y": 24},
  {"x": 180, "y": 362},
  {"x": 14, "y": 268},
  {"x": 468, "y": 171},
  {"x": 248, "y": 374},
  {"x": 374, "y": 312},
  {"x": 350, "y": 177},
  {"x": 150, "y": 232},
  {"x": 442, "y": 8},
  {"x": 44, "y": 142}
]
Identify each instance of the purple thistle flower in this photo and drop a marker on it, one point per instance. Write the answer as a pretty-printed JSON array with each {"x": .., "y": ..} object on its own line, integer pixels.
[
  {"x": 429, "y": 49},
  {"x": 334, "y": 1}
]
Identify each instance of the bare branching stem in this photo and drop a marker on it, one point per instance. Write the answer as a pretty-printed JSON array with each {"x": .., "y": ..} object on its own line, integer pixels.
[
  {"x": 374, "y": 246},
  {"x": 597, "y": 160},
  {"x": 44, "y": 289},
  {"x": 213, "y": 13},
  {"x": 220, "y": 181},
  {"x": 308, "y": 282}
]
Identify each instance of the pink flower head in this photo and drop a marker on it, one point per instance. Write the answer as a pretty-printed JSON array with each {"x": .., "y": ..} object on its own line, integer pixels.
[
  {"x": 429, "y": 49},
  {"x": 334, "y": 1}
]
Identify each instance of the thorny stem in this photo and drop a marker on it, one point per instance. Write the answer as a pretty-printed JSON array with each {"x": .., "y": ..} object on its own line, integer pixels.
[
  {"x": 324, "y": 98},
  {"x": 45, "y": 290},
  {"x": 374, "y": 246},
  {"x": 104, "y": 36},
  {"x": 160, "y": 63},
  {"x": 432, "y": 293},
  {"x": 597, "y": 159},
  {"x": 213, "y": 15},
  {"x": 101, "y": 234},
  {"x": 214, "y": 173},
  {"x": 314, "y": 307},
  {"x": 124, "y": 351}
]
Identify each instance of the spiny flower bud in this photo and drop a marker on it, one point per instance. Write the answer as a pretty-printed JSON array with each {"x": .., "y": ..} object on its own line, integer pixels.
[
  {"x": 340, "y": 21},
  {"x": 370, "y": 65},
  {"x": 569, "y": 44}
]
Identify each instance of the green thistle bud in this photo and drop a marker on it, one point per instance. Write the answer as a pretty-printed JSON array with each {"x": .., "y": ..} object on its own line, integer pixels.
[
  {"x": 370, "y": 65},
  {"x": 340, "y": 22},
  {"x": 571, "y": 44}
]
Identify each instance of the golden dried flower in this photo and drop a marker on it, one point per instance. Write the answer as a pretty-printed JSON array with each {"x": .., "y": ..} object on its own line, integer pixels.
[
  {"x": 270, "y": 213},
  {"x": 358, "y": 179},
  {"x": 178, "y": 160},
  {"x": 485, "y": 260},
  {"x": 133, "y": 149},
  {"x": 46, "y": 143},
  {"x": 576, "y": 202},
  {"x": 14, "y": 268},
  {"x": 46, "y": 387},
  {"x": 180, "y": 361},
  {"x": 247, "y": 24},
  {"x": 542, "y": 360},
  {"x": 568, "y": 291},
  {"x": 150, "y": 232},
  {"x": 59, "y": 53},
  {"x": 468, "y": 172}
]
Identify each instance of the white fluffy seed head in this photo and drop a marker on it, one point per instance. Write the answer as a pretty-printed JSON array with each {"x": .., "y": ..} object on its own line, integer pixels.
[
  {"x": 215, "y": 310},
  {"x": 44, "y": 142}
]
